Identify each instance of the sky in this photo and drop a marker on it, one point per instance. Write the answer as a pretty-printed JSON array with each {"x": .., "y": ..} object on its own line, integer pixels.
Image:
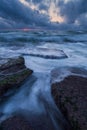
[{"x": 51, "y": 14}]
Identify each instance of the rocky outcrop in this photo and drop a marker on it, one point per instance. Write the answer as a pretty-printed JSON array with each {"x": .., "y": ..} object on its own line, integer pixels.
[
  {"x": 70, "y": 95},
  {"x": 47, "y": 53},
  {"x": 15, "y": 123},
  {"x": 12, "y": 73}
]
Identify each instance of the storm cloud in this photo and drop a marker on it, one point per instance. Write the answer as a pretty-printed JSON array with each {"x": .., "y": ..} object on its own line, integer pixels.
[
  {"x": 74, "y": 11},
  {"x": 37, "y": 13},
  {"x": 16, "y": 14}
]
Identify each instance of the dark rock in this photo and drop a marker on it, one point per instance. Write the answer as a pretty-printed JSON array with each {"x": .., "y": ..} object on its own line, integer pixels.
[
  {"x": 12, "y": 73},
  {"x": 70, "y": 95},
  {"x": 16, "y": 123},
  {"x": 47, "y": 53},
  {"x": 12, "y": 64}
]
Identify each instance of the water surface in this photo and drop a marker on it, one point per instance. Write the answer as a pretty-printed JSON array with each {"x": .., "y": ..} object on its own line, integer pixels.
[{"x": 34, "y": 98}]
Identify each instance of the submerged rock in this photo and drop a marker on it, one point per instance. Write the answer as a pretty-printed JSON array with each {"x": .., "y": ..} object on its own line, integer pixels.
[
  {"x": 15, "y": 123},
  {"x": 70, "y": 95},
  {"x": 47, "y": 53},
  {"x": 12, "y": 73}
]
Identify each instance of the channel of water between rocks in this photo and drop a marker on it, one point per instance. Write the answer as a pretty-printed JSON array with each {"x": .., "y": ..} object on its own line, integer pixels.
[{"x": 34, "y": 101}]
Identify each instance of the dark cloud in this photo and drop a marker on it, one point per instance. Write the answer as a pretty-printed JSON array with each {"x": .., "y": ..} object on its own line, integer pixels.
[
  {"x": 17, "y": 13},
  {"x": 14, "y": 14},
  {"x": 14, "y": 10},
  {"x": 43, "y": 7},
  {"x": 73, "y": 9},
  {"x": 37, "y": 1},
  {"x": 82, "y": 20}
]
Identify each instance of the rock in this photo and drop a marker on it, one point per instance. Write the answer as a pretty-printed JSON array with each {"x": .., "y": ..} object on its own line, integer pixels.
[
  {"x": 12, "y": 63},
  {"x": 12, "y": 73},
  {"x": 47, "y": 53},
  {"x": 15, "y": 123},
  {"x": 70, "y": 95}
]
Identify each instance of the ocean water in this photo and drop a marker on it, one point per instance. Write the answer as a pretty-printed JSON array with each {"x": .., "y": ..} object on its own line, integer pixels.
[
  {"x": 74, "y": 45},
  {"x": 34, "y": 98}
]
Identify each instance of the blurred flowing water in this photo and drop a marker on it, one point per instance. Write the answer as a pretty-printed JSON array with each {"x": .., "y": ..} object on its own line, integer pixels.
[{"x": 34, "y": 98}]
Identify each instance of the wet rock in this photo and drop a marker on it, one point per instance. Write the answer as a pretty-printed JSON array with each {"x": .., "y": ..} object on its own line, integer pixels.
[
  {"x": 12, "y": 73},
  {"x": 70, "y": 95},
  {"x": 47, "y": 53},
  {"x": 15, "y": 123},
  {"x": 12, "y": 62}
]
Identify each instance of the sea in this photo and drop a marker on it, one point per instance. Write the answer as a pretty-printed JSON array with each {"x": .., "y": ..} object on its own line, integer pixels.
[{"x": 43, "y": 51}]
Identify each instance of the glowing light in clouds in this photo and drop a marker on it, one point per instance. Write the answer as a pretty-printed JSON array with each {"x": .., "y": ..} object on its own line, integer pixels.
[
  {"x": 29, "y": 4},
  {"x": 52, "y": 10}
]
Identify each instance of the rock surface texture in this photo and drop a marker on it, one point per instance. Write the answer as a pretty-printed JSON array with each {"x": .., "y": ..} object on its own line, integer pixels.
[
  {"x": 70, "y": 96},
  {"x": 12, "y": 73},
  {"x": 16, "y": 123}
]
